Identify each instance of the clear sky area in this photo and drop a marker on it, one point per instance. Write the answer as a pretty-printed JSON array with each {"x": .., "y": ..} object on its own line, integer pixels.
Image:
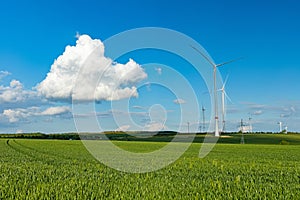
[{"x": 43, "y": 44}]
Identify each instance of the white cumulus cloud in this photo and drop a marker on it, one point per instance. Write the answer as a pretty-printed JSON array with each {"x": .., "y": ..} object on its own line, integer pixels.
[
  {"x": 83, "y": 73},
  {"x": 15, "y": 115},
  {"x": 56, "y": 110},
  {"x": 15, "y": 93}
]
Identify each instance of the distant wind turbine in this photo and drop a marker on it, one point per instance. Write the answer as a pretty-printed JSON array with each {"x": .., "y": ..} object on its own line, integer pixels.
[
  {"x": 203, "y": 118},
  {"x": 280, "y": 126},
  {"x": 215, "y": 66},
  {"x": 286, "y": 129},
  {"x": 224, "y": 96},
  {"x": 242, "y": 131},
  {"x": 250, "y": 123}
]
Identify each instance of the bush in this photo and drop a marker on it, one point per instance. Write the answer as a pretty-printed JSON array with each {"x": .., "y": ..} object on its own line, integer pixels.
[{"x": 284, "y": 142}]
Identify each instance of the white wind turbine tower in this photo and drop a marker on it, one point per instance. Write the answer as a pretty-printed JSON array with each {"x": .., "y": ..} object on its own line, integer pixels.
[
  {"x": 286, "y": 129},
  {"x": 203, "y": 118},
  {"x": 280, "y": 126},
  {"x": 224, "y": 96},
  {"x": 250, "y": 123},
  {"x": 215, "y": 66}
]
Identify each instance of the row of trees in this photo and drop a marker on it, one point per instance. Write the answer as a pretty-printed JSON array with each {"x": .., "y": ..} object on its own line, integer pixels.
[
  {"x": 65, "y": 136},
  {"x": 110, "y": 135}
]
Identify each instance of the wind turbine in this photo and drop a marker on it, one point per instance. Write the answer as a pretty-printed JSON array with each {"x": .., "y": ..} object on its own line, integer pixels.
[
  {"x": 286, "y": 129},
  {"x": 224, "y": 96},
  {"x": 203, "y": 118},
  {"x": 250, "y": 123},
  {"x": 242, "y": 131},
  {"x": 200, "y": 128},
  {"x": 215, "y": 66},
  {"x": 280, "y": 126}
]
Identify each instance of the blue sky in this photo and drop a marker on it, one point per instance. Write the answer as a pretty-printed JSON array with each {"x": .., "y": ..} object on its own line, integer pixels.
[{"x": 264, "y": 84}]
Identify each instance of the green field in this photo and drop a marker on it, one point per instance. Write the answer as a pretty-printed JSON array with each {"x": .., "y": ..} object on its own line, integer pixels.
[{"x": 63, "y": 169}]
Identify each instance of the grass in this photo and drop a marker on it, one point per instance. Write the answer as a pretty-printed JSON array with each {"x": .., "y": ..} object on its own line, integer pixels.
[{"x": 63, "y": 169}]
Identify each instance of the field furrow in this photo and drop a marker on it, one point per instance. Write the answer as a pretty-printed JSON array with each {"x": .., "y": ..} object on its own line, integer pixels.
[{"x": 63, "y": 169}]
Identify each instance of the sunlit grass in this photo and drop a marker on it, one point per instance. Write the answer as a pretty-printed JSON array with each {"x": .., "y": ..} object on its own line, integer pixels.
[{"x": 57, "y": 169}]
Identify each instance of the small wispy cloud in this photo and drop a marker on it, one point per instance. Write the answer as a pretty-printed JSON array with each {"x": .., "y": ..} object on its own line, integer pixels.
[
  {"x": 4, "y": 74},
  {"x": 252, "y": 105},
  {"x": 158, "y": 70},
  {"x": 123, "y": 128},
  {"x": 139, "y": 107},
  {"x": 155, "y": 126},
  {"x": 285, "y": 115},
  {"x": 77, "y": 36},
  {"x": 179, "y": 101},
  {"x": 56, "y": 110},
  {"x": 148, "y": 86},
  {"x": 258, "y": 112},
  {"x": 289, "y": 111},
  {"x": 293, "y": 109},
  {"x": 19, "y": 131}
]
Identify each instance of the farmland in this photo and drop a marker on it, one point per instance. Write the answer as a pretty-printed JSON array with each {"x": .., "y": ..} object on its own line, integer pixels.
[{"x": 64, "y": 169}]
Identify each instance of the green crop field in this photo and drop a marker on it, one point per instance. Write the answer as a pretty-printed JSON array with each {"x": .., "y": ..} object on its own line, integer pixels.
[{"x": 63, "y": 169}]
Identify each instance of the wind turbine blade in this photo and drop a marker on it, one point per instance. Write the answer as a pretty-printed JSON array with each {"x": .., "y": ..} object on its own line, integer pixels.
[
  {"x": 204, "y": 56},
  {"x": 228, "y": 97},
  {"x": 225, "y": 82},
  {"x": 225, "y": 63}
]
